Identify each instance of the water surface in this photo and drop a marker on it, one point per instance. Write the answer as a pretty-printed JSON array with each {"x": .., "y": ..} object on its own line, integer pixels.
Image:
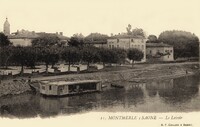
[{"x": 172, "y": 95}]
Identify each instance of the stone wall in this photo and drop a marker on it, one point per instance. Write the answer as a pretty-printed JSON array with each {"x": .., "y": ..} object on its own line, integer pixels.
[{"x": 13, "y": 87}]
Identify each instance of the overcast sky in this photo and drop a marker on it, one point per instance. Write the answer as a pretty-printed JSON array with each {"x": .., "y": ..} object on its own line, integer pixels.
[{"x": 103, "y": 16}]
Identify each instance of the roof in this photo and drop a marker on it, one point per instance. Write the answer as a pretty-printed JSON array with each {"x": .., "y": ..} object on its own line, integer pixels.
[
  {"x": 62, "y": 37},
  {"x": 22, "y": 37},
  {"x": 60, "y": 83},
  {"x": 96, "y": 42},
  {"x": 23, "y": 34},
  {"x": 157, "y": 45},
  {"x": 126, "y": 36},
  {"x": 6, "y": 23}
]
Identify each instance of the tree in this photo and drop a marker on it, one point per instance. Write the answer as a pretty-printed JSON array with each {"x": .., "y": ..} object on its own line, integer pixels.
[
  {"x": 111, "y": 55},
  {"x": 46, "y": 40},
  {"x": 137, "y": 32},
  {"x": 76, "y": 40},
  {"x": 121, "y": 55},
  {"x": 50, "y": 55},
  {"x": 104, "y": 55},
  {"x": 152, "y": 39},
  {"x": 185, "y": 43},
  {"x": 89, "y": 54},
  {"x": 4, "y": 41},
  {"x": 135, "y": 55},
  {"x": 20, "y": 56},
  {"x": 6, "y": 53},
  {"x": 129, "y": 29},
  {"x": 71, "y": 55}
]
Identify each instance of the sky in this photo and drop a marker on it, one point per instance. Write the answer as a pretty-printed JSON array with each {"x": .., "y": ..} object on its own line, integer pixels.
[{"x": 102, "y": 16}]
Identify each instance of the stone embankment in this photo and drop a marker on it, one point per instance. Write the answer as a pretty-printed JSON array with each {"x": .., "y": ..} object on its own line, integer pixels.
[{"x": 13, "y": 87}]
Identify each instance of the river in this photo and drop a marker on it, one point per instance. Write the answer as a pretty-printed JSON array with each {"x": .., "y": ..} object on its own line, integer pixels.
[{"x": 171, "y": 95}]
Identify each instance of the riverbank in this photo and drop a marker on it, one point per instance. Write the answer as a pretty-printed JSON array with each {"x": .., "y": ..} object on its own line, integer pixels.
[
  {"x": 140, "y": 73},
  {"x": 14, "y": 87}
]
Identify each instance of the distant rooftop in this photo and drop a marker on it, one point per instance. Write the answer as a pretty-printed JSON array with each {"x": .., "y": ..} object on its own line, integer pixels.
[
  {"x": 157, "y": 45},
  {"x": 124, "y": 35},
  {"x": 25, "y": 34},
  {"x": 59, "y": 35},
  {"x": 96, "y": 42}
]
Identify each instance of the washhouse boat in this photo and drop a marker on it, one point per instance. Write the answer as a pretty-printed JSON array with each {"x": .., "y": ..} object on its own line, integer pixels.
[{"x": 61, "y": 88}]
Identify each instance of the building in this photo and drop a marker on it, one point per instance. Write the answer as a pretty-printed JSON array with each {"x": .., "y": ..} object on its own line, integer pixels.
[
  {"x": 98, "y": 44},
  {"x": 6, "y": 27},
  {"x": 25, "y": 37},
  {"x": 63, "y": 39},
  {"x": 22, "y": 37},
  {"x": 159, "y": 52},
  {"x": 128, "y": 41}
]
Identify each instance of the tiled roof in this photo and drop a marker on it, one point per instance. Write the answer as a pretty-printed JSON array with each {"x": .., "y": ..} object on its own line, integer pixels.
[
  {"x": 25, "y": 34},
  {"x": 125, "y": 36},
  {"x": 62, "y": 37},
  {"x": 22, "y": 36},
  {"x": 157, "y": 45},
  {"x": 96, "y": 42}
]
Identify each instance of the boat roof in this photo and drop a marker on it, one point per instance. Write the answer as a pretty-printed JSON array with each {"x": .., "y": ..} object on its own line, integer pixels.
[{"x": 60, "y": 83}]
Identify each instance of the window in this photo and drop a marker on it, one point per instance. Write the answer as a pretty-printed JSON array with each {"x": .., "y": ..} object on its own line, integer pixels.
[
  {"x": 132, "y": 40},
  {"x": 113, "y": 46},
  {"x": 150, "y": 51},
  {"x": 117, "y": 40},
  {"x": 171, "y": 51},
  {"x": 109, "y": 46},
  {"x": 43, "y": 87},
  {"x": 50, "y": 88},
  {"x": 142, "y": 47}
]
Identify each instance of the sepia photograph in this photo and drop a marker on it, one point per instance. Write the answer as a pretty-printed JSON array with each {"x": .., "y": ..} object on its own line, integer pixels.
[{"x": 99, "y": 63}]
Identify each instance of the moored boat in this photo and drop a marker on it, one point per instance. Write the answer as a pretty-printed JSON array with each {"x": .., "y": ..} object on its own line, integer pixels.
[
  {"x": 116, "y": 85},
  {"x": 61, "y": 88}
]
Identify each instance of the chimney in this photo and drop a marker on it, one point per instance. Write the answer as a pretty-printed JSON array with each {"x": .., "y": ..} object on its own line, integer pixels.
[{"x": 61, "y": 33}]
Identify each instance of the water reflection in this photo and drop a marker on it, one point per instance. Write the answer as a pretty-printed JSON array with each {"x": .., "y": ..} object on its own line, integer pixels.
[
  {"x": 180, "y": 94},
  {"x": 179, "y": 90}
]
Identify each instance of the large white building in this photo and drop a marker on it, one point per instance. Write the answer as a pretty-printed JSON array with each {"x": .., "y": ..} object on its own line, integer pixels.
[{"x": 128, "y": 41}]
